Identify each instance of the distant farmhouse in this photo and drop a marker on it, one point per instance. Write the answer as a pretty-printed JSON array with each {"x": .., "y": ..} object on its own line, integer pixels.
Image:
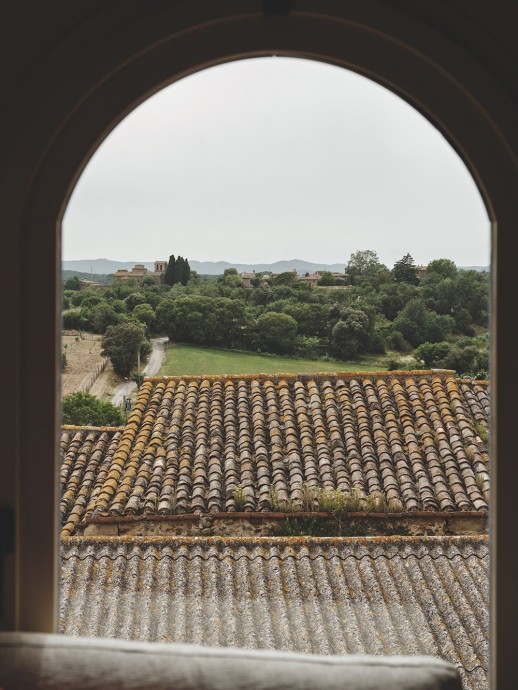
[
  {"x": 87, "y": 284},
  {"x": 420, "y": 271},
  {"x": 139, "y": 272},
  {"x": 310, "y": 278}
]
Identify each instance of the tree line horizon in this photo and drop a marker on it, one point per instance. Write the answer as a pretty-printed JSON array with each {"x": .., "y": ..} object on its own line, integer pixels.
[{"x": 441, "y": 319}]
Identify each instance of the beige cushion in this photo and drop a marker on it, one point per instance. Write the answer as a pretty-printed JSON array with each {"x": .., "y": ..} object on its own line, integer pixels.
[{"x": 33, "y": 661}]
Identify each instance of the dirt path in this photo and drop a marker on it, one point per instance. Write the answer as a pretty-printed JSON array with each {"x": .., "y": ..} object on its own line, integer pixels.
[
  {"x": 106, "y": 384},
  {"x": 152, "y": 367}
]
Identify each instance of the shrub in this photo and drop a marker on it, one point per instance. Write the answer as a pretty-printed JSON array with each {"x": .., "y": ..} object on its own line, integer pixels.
[
  {"x": 377, "y": 345},
  {"x": 74, "y": 320},
  {"x": 351, "y": 334},
  {"x": 431, "y": 354},
  {"x": 307, "y": 346},
  {"x": 393, "y": 364},
  {"x": 83, "y": 409},
  {"x": 276, "y": 332},
  {"x": 137, "y": 377}
]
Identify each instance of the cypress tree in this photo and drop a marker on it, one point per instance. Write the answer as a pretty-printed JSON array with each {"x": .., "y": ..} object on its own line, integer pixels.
[
  {"x": 169, "y": 274},
  {"x": 186, "y": 272},
  {"x": 179, "y": 269}
]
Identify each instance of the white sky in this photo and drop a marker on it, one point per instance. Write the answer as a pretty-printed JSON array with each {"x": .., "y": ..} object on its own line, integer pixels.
[{"x": 276, "y": 158}]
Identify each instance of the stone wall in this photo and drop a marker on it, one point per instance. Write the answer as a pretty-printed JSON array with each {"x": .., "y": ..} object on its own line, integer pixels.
[{"x": 295, "y": 524}]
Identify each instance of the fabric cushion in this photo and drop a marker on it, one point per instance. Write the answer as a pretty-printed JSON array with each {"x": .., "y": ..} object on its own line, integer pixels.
[{"x": 33, "y": 661}]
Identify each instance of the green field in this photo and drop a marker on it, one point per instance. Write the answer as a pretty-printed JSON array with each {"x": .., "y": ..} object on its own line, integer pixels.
[{"x": 191, "y": 360}]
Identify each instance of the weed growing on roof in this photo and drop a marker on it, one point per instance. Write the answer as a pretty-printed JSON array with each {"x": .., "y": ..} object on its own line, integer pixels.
[
  {"x": 335, "y": 502},
  {"x": 481, "y": 430},
  {"x": 275, "y": 502},
  {"x": 470, "y": 453},
  {"x": 239, "y": 498},
  {"x": 376, "y": 502},
  {"x": 309, "y": 501},
  {"x": 332, "y": 501},
  {"x": 280, "y": 505}
]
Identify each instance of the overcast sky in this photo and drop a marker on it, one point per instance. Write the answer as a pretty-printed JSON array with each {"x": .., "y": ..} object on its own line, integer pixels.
[{"x": 276, "y": 158}]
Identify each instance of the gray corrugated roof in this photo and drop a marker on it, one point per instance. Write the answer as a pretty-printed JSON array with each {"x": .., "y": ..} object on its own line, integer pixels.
[{"x": 387, "y": 595}]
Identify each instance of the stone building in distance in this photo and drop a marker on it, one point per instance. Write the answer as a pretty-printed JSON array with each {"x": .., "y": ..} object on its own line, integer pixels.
[{"x": 139, "y": 272}]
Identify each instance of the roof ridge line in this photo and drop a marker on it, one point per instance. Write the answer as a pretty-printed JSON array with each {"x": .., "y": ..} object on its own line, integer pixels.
[
  {"x": 282, "y": 541},
  {"x": 400, "y": 373},
  {"x": 82, "y": 427}
]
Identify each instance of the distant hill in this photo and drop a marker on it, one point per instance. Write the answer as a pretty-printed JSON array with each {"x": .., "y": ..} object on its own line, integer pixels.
[
  {"x": 106, "y": 266},
  {"x": 97, "y": 277},
  {"x": 218, "y": 267},
  {"x": 103, "y": 266}
]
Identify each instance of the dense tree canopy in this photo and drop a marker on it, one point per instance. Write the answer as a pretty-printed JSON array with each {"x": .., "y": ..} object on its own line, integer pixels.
[
  {"x": 121, "y": 344},
  {"x": 326, "y": 278},
  {"x": 72, "y": 283},
  {"x": 439, "y": 269},
  {"x": 365, "y": 266},
  {"x": 144, "y": 313},
  {"x": 203, "y": 320},
  {"x": 286, "y": 278},
  {"x": 377, "y": 310},
  {"x": 276, "y": 332},
  {"x": 404, "y": 271},
  {"x": 351, "y": 334},
  {"x": 83, "y": 409}
]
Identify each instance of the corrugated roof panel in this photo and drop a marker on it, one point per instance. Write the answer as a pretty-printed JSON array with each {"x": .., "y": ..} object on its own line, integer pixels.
[{"x": 385, "y": 595}]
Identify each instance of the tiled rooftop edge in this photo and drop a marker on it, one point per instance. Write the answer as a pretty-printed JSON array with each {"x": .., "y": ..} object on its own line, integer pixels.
[
  {"x": 311, "y": 376},
  {"x": 77, "y": 427},
  {"x": 277, "y": 541}
]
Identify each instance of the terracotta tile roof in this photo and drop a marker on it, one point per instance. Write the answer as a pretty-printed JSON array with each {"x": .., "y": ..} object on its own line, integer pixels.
[
  {"x": 192, "y": 442},
  {"x": 387, "y": 595},
  {"x": 86, "y": 455}
]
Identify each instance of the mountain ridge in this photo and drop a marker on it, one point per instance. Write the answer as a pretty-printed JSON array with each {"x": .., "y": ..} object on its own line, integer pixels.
[
  {"x": 203, "y": 267},
  {"x": 107, "y": 266}
]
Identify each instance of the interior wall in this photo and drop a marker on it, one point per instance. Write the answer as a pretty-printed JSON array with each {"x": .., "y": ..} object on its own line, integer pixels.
[{"x": 72, "y": 71}]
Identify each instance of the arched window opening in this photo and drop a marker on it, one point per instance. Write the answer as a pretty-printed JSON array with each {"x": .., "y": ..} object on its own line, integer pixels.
[{"x": 299, "y": 263}]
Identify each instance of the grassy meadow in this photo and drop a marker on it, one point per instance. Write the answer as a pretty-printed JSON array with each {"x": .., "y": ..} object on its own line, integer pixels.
[{"x": 192, "y": 360}]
